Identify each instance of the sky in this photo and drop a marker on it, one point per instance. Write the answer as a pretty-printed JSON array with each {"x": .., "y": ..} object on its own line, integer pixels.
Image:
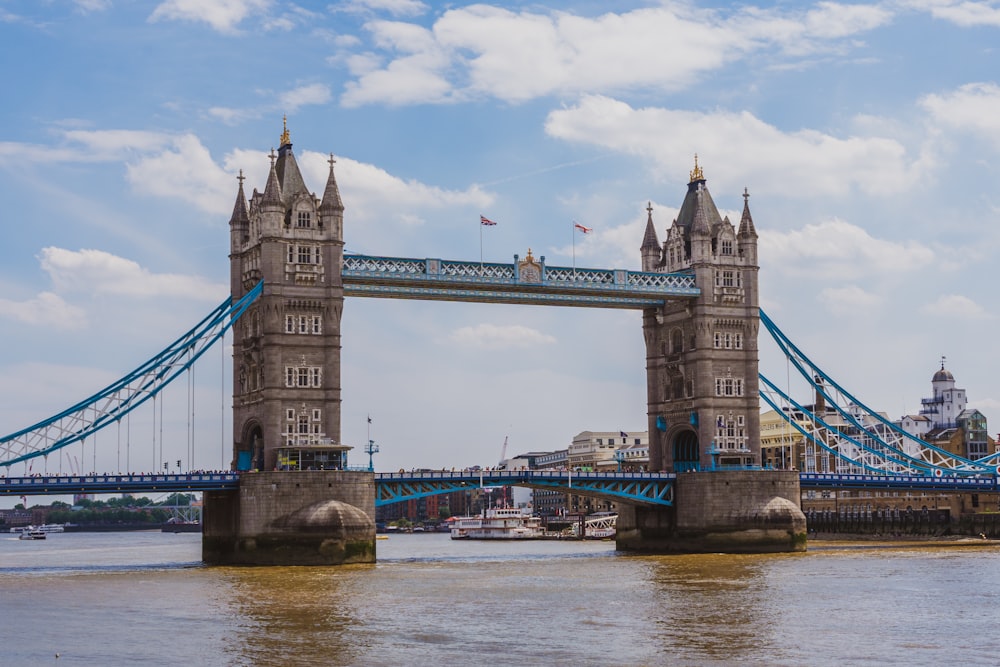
[{"x": 867, "y": 136}]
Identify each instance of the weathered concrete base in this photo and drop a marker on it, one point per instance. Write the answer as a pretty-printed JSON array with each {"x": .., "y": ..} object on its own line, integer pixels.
[
  {"x": 747, "y": 511},
  {"x": 309, "y": 517}
]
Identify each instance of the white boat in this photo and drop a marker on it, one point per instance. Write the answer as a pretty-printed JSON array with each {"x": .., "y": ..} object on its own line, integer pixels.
[
  {"x": 46, "y": 528},
  {"x": 32, "y": 533},
  {"x": 498, "y": 524}
]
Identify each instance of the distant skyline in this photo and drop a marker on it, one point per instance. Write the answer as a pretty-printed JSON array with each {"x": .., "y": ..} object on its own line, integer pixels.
[{"x": 866, "y": 135}]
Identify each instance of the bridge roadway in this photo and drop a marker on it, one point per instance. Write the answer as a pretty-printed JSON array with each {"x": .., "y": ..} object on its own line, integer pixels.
[{"x": 642, "y": 488}]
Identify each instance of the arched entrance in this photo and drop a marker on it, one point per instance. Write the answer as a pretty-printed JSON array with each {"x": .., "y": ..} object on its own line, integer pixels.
[
  {"x": 685, "y": 449},
  {"x": 250, "y": 455}
]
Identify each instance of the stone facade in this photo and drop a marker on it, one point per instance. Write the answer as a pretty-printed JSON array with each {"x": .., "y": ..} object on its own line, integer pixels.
[
  {"x": 745, "y": 511},
  {"x": 701, "y": 354},
  {"x": 292, "y": 518},
  {"x": 286, "y": 346}
]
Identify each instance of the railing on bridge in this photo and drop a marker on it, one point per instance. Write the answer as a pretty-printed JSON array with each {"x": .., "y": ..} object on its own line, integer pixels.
[
  {"x": 524, "y": 282},
  {"x": 640, "y": 488},
  {"x": 117, "y": 483}
]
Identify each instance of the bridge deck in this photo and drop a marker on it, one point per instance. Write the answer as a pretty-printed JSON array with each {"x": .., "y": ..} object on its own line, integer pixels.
[
  {"x": 446, "y": 280},
  {"x": 635, "y": 487}
]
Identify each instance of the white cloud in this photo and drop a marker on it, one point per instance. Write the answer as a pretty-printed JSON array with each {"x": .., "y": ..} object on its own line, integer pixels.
[
  {"x": 964, "y": 13},
  {"x": 101, "y": 272},
  {"x": 86, "y": 6},
  {"x": 849, "y": 299},
  {"x": 221, "y": 15},
  {"x": 373, "y": 193},
  {"x": 835, "y": 249},
  {"x": 737, "y": 148},
  {"x": 486, "y": 51},
  {"x": 394, "y": 7},
  {"x": 316, "y": 93},
  {"x": 184, "y": 171},
  {"x": 46, "y": 310},
  {"x": 956, "y": 306},
  {"x": 974, "y": 107},
  {"x": 491, "y": 336}
]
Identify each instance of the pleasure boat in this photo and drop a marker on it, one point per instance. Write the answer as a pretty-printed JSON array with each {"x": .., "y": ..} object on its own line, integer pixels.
[{"x": 498, "y": 524}]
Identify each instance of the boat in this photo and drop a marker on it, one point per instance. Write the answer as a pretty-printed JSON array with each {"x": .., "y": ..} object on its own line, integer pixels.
[
  {"x": 45, "y": 528},
  {"x": 32, "y": 533},
  {"x": 498, "y": 524}
]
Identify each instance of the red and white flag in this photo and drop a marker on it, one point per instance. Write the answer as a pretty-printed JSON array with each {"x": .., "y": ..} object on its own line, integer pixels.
[
  {"x": 585, "y": 230},
  {"x": 483, "y": 220}
]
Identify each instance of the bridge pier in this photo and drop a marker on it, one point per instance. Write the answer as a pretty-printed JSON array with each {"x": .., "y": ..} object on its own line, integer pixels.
[
  {"x": 745, "y": 511},
  {"x": 307, "y": 517}
]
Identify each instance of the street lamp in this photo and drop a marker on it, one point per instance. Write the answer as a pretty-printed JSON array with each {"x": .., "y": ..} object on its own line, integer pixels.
[{"x": 370, "y": 449}]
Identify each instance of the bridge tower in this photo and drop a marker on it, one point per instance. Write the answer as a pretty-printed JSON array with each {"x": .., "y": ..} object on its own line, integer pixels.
[
  {"x": 286, "y": 386},
  {"x": 286, "y": 347},
  {"x": 701, "y": 354}
]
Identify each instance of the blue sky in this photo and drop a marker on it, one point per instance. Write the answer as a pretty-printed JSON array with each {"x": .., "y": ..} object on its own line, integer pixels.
[{"x": 867, "y": 134}]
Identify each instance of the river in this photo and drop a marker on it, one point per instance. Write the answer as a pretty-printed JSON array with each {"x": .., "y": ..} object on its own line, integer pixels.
[{"x": 109, "y": 599}]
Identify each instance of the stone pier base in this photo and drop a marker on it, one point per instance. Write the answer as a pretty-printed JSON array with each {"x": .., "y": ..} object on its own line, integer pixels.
[
  {"x": 746, "y": 511},
  {"x": 308, "y": 517}
]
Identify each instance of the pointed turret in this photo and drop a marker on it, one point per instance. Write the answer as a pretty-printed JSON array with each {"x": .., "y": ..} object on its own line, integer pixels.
[
  {"x": 239, "y": 222},
  {"x": 650, "y": 248},
  {"x": 287, "y": 169},
  {"x": 746, "y": 237},
  {"x": 746, "y": 221},
  {"x": 331, "y": 195},
  {"x": 272, "y": 191}
]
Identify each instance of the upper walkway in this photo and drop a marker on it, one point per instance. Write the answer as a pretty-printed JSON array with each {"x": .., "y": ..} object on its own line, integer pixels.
[
  {"x": 527, "y": 281},
  {"x": 637, "y": 488}
]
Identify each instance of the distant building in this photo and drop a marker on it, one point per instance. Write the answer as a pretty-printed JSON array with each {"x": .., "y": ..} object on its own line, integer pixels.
[{"x": 946, "y": 422}]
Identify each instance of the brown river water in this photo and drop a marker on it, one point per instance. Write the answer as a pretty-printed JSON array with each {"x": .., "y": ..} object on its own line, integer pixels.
[{"x": 109, "y": 599}]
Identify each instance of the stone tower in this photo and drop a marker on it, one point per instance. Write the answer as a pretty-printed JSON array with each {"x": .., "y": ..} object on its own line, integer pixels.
[
  {"x": 701, "y": 354},
  {"x": 286, "y": 346}
]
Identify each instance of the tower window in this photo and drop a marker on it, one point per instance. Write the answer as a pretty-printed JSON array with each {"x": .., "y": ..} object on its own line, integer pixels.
[{"x": 304, "y": 219}]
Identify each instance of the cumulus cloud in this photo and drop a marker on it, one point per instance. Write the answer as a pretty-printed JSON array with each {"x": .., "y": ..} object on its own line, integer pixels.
[
  {"x": 45, "y": 310},
  {"x": 221, "y": 15},
  {"x": 486, "y": 51},
  {"x": 491, "y": 336},
  {"x": 738, "y": 148},
  {"x": 835, "y": 249},
  {"x": 964, "y": 13},
  {"x": 96, "y": 271},
  {"x": 956, "y": 306},
  {"x": 374, "y": 193},
  {"x": 973, "y": 108}
]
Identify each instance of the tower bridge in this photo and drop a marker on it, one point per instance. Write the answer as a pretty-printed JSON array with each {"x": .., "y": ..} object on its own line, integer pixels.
[{"x": 698, "y": 293}]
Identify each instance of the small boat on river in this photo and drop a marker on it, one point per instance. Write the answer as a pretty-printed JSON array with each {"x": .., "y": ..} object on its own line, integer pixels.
[
  {"x": 32, "y": 533},
  {"x": 498, "y": 524}
]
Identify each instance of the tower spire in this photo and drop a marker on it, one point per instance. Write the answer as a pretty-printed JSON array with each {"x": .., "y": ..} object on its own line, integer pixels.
[{"x": 331, "y": 195}]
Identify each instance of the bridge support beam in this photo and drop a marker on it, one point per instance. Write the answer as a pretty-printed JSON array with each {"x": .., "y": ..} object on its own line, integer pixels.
[
  {"x": 309, "y": 517},
  {"x": 747, "y": 511}
]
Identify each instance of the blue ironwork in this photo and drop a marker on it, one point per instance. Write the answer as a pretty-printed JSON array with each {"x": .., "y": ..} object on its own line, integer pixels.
[
  {"x": 866, "y": 441},
  {"x": 445, "y": 280},
  {"x": 638, "y": 488},
  {"x": 109, "y": 405},
  {"x": 120, "y": 483}
]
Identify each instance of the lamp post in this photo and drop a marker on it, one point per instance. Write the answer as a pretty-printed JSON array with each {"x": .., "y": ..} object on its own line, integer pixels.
[{"x": 370, "y": 449}]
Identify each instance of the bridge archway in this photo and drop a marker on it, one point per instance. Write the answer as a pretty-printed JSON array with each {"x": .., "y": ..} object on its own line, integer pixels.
[
  {"x": 684, "y": 445},
  {"x": 250, "y": 454}
]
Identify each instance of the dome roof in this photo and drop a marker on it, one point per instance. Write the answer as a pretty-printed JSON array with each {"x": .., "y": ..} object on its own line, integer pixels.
[{"x": 943, "y": 376}]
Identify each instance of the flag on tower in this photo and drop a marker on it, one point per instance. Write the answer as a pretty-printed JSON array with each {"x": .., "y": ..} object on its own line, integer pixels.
[
  {"x": 623, "y": 434},
  {"x": 483, "y": 220},
  {"x": 585, "y": 230}
]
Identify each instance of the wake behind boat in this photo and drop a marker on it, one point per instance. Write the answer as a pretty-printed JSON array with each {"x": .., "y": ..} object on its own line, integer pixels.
[{"x": 498, "y": 524}]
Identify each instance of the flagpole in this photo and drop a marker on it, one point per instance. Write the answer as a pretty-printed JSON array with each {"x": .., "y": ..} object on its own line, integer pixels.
[
  {"x": 573, "y": 232},
  {"x": 480, "y": 247}
]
